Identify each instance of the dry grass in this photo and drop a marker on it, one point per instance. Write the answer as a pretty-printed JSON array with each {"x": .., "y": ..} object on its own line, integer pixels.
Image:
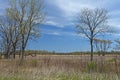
[{"x": 58, "y": 67}]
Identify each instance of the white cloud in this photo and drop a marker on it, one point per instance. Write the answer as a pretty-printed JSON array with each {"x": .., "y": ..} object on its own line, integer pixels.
[
  {"x": 50, "y": 32},
  {"x": 71, "y": 7},
  {"x": 53, "y": 23},
  {"x": 114, "y": 22},
  {"x": 114, "y": 13},
  {"x": 56, "y": 33},
  {"x": 61, "y": 33},
  {"x": 3, "y": 6}
]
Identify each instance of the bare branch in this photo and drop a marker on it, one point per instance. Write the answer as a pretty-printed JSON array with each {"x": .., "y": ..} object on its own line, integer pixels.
[{"x": 92, "y": 22}]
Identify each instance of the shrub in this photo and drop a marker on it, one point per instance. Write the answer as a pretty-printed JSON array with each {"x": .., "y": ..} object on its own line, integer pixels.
[
  {"x": 91, "y": 66},
  {"x": 34, "y": 63}
]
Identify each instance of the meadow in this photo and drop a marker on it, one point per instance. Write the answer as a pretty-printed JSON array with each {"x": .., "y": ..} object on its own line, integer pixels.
[{"x": 61, "y": 67}]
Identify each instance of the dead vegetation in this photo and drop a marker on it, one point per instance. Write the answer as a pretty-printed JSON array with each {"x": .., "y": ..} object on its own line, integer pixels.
[{"x": 61, "y": 67}]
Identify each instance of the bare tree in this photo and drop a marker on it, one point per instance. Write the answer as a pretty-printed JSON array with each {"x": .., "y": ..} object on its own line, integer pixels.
[
  {"x": 117, "y": 44},
  {"x": 9, "y": 35},
  {"x": 92, "y": 22},
  {"x": 102, "y": 45},
  {"x": 26, "y": 13},
  {"x": 5, "y": 38}
]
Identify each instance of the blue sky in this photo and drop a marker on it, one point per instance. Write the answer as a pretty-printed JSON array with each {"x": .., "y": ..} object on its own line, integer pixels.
[{"x": 59, "y": 33}]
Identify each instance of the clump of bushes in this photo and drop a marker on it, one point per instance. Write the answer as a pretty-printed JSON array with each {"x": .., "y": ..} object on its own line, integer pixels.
[{"x": 91, "y": 66}]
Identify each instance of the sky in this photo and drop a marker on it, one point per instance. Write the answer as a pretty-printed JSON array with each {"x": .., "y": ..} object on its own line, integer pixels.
[{"x": 58, "y": 33}]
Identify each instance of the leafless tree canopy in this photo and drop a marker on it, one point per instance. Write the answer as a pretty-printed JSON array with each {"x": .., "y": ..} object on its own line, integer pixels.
[
  {"x": 92, "y": 22},
  {"x": 102, "y": 45},
  {"x": 117, "y": 44},
  {"x": 20, "y": 23}
]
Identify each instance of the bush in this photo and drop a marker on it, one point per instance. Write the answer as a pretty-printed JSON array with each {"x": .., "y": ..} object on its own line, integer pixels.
[
  {"x": 91, "y": 66},
  {"x": 34, "y": 63}
]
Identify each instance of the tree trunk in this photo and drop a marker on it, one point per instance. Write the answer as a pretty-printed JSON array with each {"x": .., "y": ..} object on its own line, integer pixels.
[
  {"x": 14, "y": 54},
  {"x": 91, "y": 44},
  {"x": 22, "y": 55},
  {"x": 7, "y": 55},
  {"x": 14, "y": 50}
]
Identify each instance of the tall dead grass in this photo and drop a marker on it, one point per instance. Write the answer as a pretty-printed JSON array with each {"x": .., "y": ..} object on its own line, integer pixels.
[{"x": 61, "y": 68}]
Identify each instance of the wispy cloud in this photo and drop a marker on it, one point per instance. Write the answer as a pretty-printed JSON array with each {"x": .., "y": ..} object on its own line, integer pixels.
[
  {"x": 70, "y": 7},
  {"x": 3, "y": 6},
  {"x": 114, "y": 13},
  {"x": 67, "y": 10},
  {"x": 61, "y": 33},
  {"x": 53, "y": 23},
  {"x": 50, "y": 32},
  {"x": 114, "y": 22}
]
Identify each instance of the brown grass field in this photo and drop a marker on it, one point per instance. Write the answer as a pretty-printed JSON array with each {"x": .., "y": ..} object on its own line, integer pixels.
[{"x": 61, "y": 67}]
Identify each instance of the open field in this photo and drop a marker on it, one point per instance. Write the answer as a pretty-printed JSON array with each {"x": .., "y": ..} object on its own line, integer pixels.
[
  {"x": 61, "y": 67},
  {"x": 78, "y": 57},
  {"x": 59, "y": 40}
]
